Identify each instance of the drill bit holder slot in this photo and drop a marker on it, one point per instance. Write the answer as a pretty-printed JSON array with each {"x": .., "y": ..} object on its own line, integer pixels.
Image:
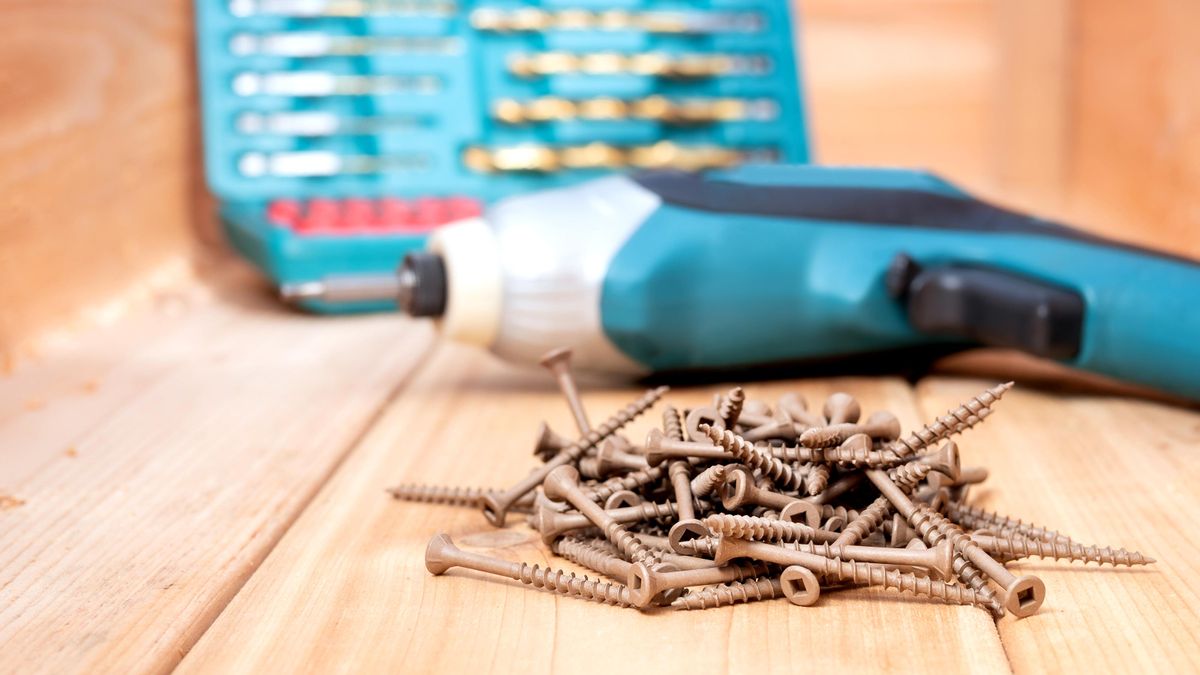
[{"x": 337, "y": 133}]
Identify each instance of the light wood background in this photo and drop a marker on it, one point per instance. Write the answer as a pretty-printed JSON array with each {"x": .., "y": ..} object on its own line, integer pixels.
[{"x": 191, "y": 476}]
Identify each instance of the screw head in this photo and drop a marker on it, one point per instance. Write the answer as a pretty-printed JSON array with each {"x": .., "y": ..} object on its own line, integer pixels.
[
  {"x": 686, "y": 530},
  {"x": 438, "y": 553},
  {"x": 800, "y": 586},
  {"x": 943, "y": 555},
  {"x": 654, "y": 452},
  {"x": 643, "y": 585},
  {"x": 1024, "y": 596},
  {"x": 735, "y": 491},
  {"x": 886, "y": 425},
  {"x": 560, "y": 482},
  {"x": 495, "y": 512},
  {"x": 622, "y": 498},
  {"x": 698, "y": 416},
  {"x": 554, "y": 357},
  {"x": 945, "y": 461},
  {"x": 801, "y": 511},
  {"x": 842, "y": 407}
]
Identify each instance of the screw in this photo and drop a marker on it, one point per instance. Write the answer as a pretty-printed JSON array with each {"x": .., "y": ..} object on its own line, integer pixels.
[
  {"x": 700, "y": 416},
  {"x": 976, "y": 518},
  {"x": 558, "y": 361},
  {"x": 765, "y": 529},
  {"x": 551, "y": 523},
  {"x": 645, "y": 583},
  {"x": 857, "y": 450},
  {"x": 842, "y": 407},
  {"x": 800, "y": 586},
  {"x": 955, "y": 421},
  {"x": 621, "y": 499},
  {"x": 796, "y": 408},
  {"x": 750, "y": 590},
  {"x": 673, "y": 424},
  {"x": 778, "y": 471},
  {"x": 630, "y": 481},
  {"x": 1022, "y": 595},
  {"x": 939, "y": 559},
  {"x": 868, "y": 520},
  {"x": 603, "y": 562},
  {"x": 442, "y": 554},
  {"x": 609, "y": 459},
  {"x": 1022, "y": 547},
  {"x": 739, "y": 490},
  {"x": 708, "y": 480},
  {"x": 817, "y": 479},
  {"x": 731, "y": 407},
  {"x": 496, "y": 506},
  {"x": 659, "y": 449},
  {"x": 881, "y": 425},
  {"x": 867, "y": 574},
  {"x": 548, "y": 442},
  {"x": 563, "y": 484}
]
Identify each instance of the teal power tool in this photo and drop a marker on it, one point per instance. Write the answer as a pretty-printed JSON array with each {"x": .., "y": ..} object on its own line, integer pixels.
[{"x": 668, "y": 271}]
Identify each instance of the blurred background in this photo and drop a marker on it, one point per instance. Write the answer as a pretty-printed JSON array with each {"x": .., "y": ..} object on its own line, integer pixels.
[{"x": 1084, "y": 111}]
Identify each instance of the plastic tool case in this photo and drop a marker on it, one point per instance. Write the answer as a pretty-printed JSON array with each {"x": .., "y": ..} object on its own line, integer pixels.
[{"x": 338, "y": 133}]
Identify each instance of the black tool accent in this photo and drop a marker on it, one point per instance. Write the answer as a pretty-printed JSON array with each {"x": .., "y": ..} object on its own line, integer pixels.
[
  {"x": 994, "y": 307},
  {"x": 422, "y": 285}
]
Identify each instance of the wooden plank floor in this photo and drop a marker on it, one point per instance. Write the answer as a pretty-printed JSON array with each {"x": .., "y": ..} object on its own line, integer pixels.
[{"x": 216, "y": 496}]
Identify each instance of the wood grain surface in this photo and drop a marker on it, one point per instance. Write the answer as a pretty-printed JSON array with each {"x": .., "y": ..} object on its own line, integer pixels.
[{"x": 146, "y": 473}]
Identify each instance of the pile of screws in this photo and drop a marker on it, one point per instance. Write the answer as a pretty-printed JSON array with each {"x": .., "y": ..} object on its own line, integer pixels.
[{"x": 740, "y": 501}]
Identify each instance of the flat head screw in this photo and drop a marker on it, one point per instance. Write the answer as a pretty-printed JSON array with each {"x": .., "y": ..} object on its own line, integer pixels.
[
  {"x": 802, "y": 511},
  {"x": 800, "y": 586},
  {"x": 442, "y": 554},
  {"x": 659, "y": 449},
  {"x": 750, "y": 590},
  {"x": 563, "y": 484},
  {"x": 841, "y": 408},
  {"x": 975, "y": 518},
  {"x": 739, "y": 490},
  {"x": 816, "y": 480},
  {"x": 548, "y": 442},
  {"x": 957, "y": 420},
  {"x": 622, "y": 498},
  {"x": 796, "y": 408},
  {"x": 697, "y": 418},
  {"x": 646, "y": 583},
  {"x": 881, "y": 425},
  {"x": 496, "y": 506},
  {"x": 558, "y": 362},
  {"x": 937, "y": 559},
  {"x": 764, "y": 529},
  {"x": 1022, "y": 595}
]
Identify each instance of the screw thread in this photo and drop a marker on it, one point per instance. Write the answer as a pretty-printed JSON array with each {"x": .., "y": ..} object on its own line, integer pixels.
[
  {"x": 822, "y": 437},
  {"x": 847, "y": 515},
  {"x": 703, "y": 546},
  {"x": 630, "y": 481},
  {"x": 868, "y": 520},
  {"x": 907, "y": 476},
  {"x": 777, "y": 470},
  {"x": 750, "y": 590},
  {"x": 651, "y": 510},
  {"x": 581, "y": 553},
  {"x": 707, "y": 481},
  {"x": 1022, "y": 547},
  {"x": 854, "y": 456},
  {"x": 975, "y": 518},
  {"x": 869, "y": 574},
  {"x": 817, "y": 479},
  {"x": 630, "y": 546},
  {"x": 672, "y": 424},
  {"x": 731, "y": 406},
  {"x": 619, "y": 419},
  {"x": 440, "y": 494},
  {"x": 953, "y": 422},
  {"x": 757, "y": 529},
  {"x": 566, "y": 583}
]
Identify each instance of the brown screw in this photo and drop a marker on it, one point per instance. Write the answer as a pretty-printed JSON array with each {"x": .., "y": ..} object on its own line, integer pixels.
[
  {"x": 442, "y": 554},
  {"x": 644, "y": 583},
  {"x": 881, "y": 425},
  {"x": 496, "y": 506},
  {"x": 563, "y": 484},
  {"x": 659, "y": 449},
  {"x": 868, "y": 520},
  {"x": 841, "y": 408},
  {"x": 548, "y": 442},
  {"x": 796, "y": 408},
  {"x": 817, "y": 479},
  {"x": 765, "y": 529},
  {"x": 857, "y": 450},
  {"x": 976, "y": 518},
  {"x": 1021, "y": 547},
  {"x": 709, "y": 480},
  {"x": 731, "y": 407},
  {"x": 776, "y": 429},
  {"x": 957, "y": 420},
  {"x": 603, "y": 562},
  {"x": 867, "y": 574},
  {"x": 739, "y": 490},
  {"x": 621, "y": 499},
  {"x": 630, "y": 481},
  {"x": 1022, "y": 595},
  {"x": 939, "y": 559},
  {"x": 750, "y": 590},
  {"x": 610, "y": 458},
  {"x": 698, "y": 416},
  {"x": 558, "y": 361},
  {"x": 800, "y": 586},
  {"x": 778, "y": 471}
]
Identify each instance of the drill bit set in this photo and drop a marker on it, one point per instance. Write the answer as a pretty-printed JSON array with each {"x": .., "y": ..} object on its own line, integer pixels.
[
  {"x": 418, "y": 99},
  {"x": 741, "y": 501}
]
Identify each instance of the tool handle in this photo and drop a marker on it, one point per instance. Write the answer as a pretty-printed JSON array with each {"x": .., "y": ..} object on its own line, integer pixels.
[{"x": 785, "y": 264}]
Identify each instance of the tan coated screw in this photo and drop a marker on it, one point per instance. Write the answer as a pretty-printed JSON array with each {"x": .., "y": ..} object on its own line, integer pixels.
[
  {"x": 730, "y": 408},
  {"x": 548, "y": 442},
  {"x": 1022, "y": 595},
  {"x": 778, "y": 471},
  {"x": 679, "y": 473},
  {"x": 857, "y": 450},
  {"x": 645, "y": 583},
  {"x": 442, "y": 554},
  {"x": 775, "y": 429},
  {"x": 739, "y": 490},
  {"x": 600, "y": 561},
  {"x": 750, "y": 590},
  {"x": 957, "y": 420},
  {"x": 558, "y": 361},
  {"x": 868, "y": 520},
  {"x": 630, "y": 481},
  {"x": 496, "y": 506},
  {"x": 881, "y": 425},
  {"x": 1017, "y": 546},
  {"x": 817, "y": 479},
  {"x": 659, "y": 449},
  {"x": 765, "y": 529},
  {"x": 698, "y": 416},
  {"x": 609, "y": 458},
  {"x": 709, "y": 480},
  {"x": 867, "y": 574},
  {"x": 975, "y": 518},
  {"x": 841, "y": 408},
  {"x": 563, "y": 484},
  {"x": 938, "y": 559},
  {"x": 796, "y": 409}
]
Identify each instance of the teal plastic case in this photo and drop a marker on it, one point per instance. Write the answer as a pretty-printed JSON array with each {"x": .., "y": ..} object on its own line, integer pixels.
[{"x": 446, "y": 76}]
